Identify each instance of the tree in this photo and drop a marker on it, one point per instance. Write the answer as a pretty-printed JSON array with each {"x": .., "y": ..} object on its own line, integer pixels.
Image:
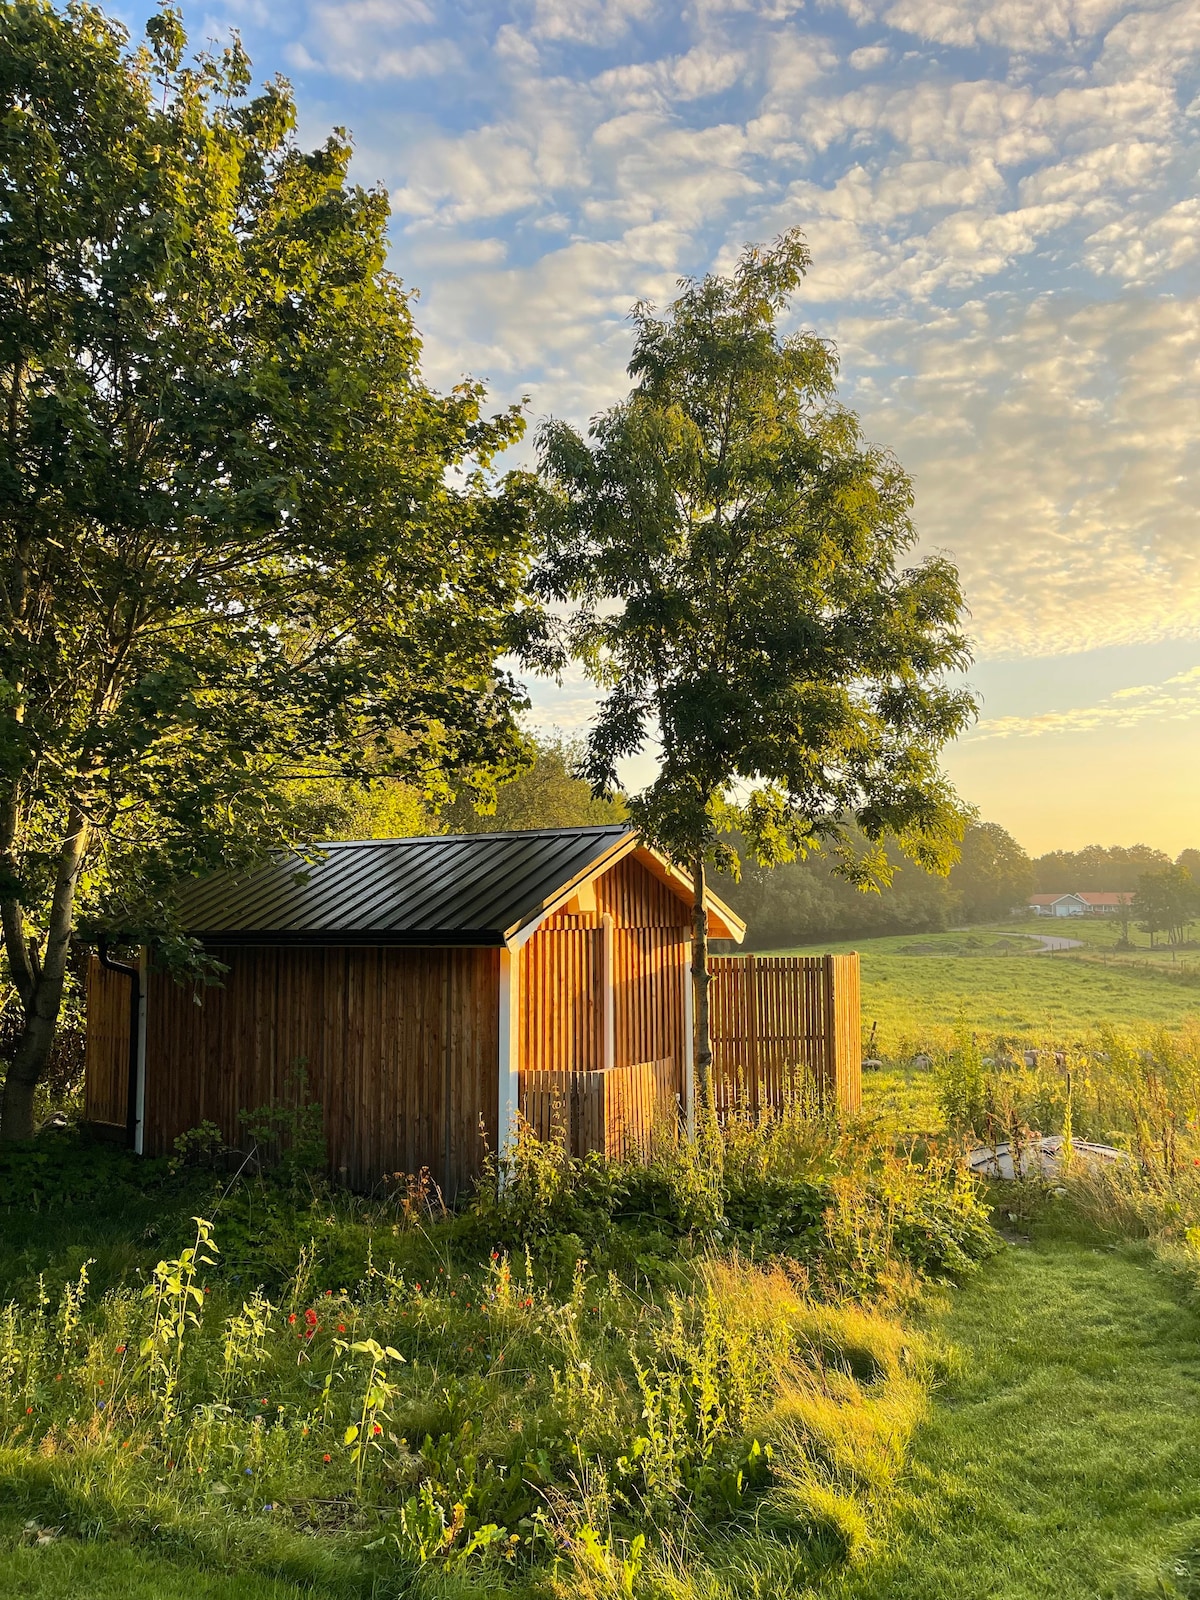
[
  {"x": 993, "y": 874},
  {"x": 1105, "y": 869},
  {"x": 729, "y": 545},
  {"x": 242, "y": 544},
  {"x": 1168, "y": 902},
  {"x": 548, "y": 794}
]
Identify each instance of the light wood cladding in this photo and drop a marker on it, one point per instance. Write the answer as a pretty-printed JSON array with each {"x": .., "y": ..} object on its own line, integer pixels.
[
  {"x": 561, "y": 968},
  {"x": 782, "y": 1025}
]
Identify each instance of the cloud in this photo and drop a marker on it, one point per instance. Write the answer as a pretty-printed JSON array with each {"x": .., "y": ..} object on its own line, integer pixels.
[
  {"x": 1175, "y": 700},
  {"x": 365, "y": 40},
  {"x": 1055, "y": 456}
]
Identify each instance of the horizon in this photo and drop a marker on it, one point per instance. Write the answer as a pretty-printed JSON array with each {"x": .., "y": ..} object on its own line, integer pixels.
[{"x": 1001, "y": 210}]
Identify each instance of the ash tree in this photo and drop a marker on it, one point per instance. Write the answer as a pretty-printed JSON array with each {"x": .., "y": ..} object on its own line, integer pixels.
[
  {"x": 244, "y": 548},
  {"x": 726, "y": 556}
]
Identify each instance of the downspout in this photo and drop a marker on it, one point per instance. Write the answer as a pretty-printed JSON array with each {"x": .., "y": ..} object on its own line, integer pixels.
[{"x": 132, "y": 1096}]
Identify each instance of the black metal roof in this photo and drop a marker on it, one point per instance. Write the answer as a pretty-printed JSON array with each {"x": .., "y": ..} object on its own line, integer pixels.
[{"x": 471, "y": 888}]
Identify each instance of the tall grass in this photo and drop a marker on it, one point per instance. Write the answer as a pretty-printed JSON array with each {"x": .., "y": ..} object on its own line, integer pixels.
[{"x": 605, "y": 1379}]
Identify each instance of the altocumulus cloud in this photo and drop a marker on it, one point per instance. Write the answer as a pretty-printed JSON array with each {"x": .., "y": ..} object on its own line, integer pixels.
[{"x": 1000, "y": 196}]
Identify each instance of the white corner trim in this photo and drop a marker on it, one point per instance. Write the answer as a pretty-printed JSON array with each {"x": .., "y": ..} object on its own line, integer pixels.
[
  {"x": 140, "y": 1108},
  {"x": 689, "y": 1045},
  {"x": 509, "y": 1053},
  {"x": 608, "y": 995}
]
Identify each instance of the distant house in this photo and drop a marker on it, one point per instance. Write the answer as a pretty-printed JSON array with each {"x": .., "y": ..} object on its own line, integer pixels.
[{"x": 1081, "y": 903}]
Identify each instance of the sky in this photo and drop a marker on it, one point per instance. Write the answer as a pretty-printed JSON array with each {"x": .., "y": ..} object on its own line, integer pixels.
[{"x": 1001, "y": 201}]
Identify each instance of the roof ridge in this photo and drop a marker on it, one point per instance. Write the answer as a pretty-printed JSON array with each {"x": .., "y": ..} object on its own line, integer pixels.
[{"x": 451, "y": 838}]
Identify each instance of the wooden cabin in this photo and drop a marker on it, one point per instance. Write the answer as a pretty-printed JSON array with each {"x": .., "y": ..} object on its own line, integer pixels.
[{"x": 426, "y": 986}]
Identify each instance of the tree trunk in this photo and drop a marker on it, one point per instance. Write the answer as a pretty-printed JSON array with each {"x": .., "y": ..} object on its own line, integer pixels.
[
  {"x": 707, "y": 1119},
  {"x": 41, "y": 988}
]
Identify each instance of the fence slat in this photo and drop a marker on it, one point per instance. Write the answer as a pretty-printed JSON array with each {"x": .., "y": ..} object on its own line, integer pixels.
[{"x": 785, "y": 1026}]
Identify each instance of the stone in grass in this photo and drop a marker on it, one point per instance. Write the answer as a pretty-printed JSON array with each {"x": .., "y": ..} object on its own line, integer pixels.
[
  {"x": 1042, "y": 1157},
  {"x": 872, "y": 1064}
]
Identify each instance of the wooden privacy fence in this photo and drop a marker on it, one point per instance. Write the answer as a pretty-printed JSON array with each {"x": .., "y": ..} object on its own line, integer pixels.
[
  {"x": 614, "y": 1112},
  {"x": 785, "y": 1026}
]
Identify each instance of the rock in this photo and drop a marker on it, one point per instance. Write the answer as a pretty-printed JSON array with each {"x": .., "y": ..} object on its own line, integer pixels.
[{"x": 922, "y": 1063}]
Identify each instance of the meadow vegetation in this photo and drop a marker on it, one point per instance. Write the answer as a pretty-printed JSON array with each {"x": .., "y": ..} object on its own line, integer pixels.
[
  {"x": 920, "y": 990},
  {"x": 598, "y": 1378}
]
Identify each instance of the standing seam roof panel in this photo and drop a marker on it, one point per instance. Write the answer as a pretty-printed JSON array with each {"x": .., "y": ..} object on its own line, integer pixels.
[{"x": 473, "y": 884}]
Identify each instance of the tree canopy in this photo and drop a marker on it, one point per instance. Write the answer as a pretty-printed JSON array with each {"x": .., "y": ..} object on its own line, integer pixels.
[
  {"x": 731, "y": 554},
  {"x": 243, "y": 544}
]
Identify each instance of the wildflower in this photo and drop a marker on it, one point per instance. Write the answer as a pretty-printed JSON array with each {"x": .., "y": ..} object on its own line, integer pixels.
[
  {"x": 310, "y": 1316},
  {"x": 292, "y": 1318},
  {"x": 326, "y": 1459},
  {"x": 28, "y": 1411},
  {"x": 58, "y": 1377},
  {"x": 126, "y": 1444},
  {"x": 376, "y": 1429},
  {"x": 328, "y": 1293},
  {"x": 100, "y": 1404},
  {"x": 303, "y": 1430},
  {"x": 249, "y": 1472},
  {"x": 100, "y": 1383},
  {"x": 341, "y": 1327},
  {"x": 121, "y": 1349}
]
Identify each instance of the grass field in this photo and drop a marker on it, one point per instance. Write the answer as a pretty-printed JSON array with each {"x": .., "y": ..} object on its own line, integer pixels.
[
  {"x": 919, "y": 988},
  {"x": 1062, "y": 1458}
]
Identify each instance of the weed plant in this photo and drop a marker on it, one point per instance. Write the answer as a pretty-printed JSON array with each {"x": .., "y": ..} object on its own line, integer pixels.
[{"x": 603, "y": 1379}]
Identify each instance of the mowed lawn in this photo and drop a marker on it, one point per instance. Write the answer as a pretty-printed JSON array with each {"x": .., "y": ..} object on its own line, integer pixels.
[
  {"x": 1061, "y": 1457},
  {"x": 919, "y": 988}
]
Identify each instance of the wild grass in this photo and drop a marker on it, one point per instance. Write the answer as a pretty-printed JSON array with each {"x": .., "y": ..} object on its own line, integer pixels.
[{"x": 600, "y": 1379}]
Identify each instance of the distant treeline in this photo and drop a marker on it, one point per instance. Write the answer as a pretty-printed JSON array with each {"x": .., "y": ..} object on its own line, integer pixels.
[
  {"x": 1105, "y": 868},
  {"x": 804, "y": 901}
]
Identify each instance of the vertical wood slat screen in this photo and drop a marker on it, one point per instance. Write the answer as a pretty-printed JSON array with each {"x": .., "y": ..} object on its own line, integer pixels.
[
  {"x": 782, "y": 1026},
  {"x": 614, "y": 1112},
  {"x": 106, "y": 1068}
]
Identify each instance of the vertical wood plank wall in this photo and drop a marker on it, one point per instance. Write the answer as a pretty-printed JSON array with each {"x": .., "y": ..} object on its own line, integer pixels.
[
  {"x": 400, "y": 1046},
  {"x": 781, "y": 1024},
  {"x": 106, "y": 1057},
  {"x": 561, "y": 965}
]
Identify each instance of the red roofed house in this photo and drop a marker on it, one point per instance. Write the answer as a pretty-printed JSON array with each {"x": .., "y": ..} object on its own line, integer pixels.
[{"x": 1082, "y": 903}]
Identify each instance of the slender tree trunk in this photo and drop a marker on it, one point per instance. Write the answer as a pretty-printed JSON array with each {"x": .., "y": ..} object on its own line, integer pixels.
[
  {"x": 42, "y": 1001},
  {"x": 707, "y": 1119}
]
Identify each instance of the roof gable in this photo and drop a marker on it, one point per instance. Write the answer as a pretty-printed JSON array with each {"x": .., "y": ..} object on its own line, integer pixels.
[{"x": 480, "y": 888}]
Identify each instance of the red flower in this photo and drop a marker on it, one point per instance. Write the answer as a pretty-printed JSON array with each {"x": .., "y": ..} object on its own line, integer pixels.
[
  {"x": 120, "y": 1349},
  {"x": 376, "y": 1429},
  {"x": 310, "y": 1316},
  {"x": 341, "y": 1327},
  {"x": 292, "y": 1318},
  {"x": 326, "y": 1459}
]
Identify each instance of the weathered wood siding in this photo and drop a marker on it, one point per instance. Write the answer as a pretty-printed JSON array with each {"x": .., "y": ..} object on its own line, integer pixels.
[
  {"x": 785, "y": 1025},
  {"x": 106, "y": 1057},
  {"x": 562, "y": 999},
  {"x": 400, "y": 1047}
]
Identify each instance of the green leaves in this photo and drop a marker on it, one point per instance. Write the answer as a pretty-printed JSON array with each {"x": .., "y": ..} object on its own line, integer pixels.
[
  {"x": 730, "y": 552},
  {"x": 243, "y": 546}
]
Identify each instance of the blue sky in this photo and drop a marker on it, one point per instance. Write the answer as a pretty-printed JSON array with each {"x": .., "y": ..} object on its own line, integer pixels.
[{"x": 1001, "y": 200}]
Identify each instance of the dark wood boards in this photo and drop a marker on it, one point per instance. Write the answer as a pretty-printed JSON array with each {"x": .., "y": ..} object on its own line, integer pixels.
[
  {"x": 106, "y": 1056},
  {"x": 398, "y": 1046}
]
